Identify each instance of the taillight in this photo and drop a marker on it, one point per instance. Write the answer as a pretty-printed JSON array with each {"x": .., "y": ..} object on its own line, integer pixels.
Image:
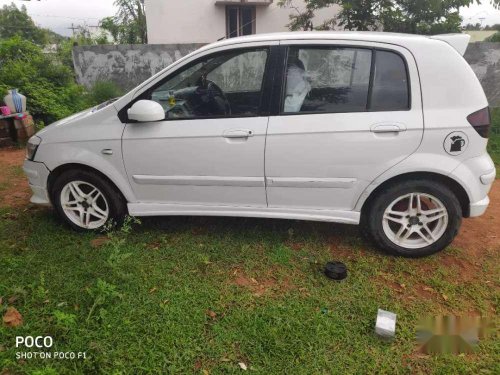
[{"x": 481, "y": 121}]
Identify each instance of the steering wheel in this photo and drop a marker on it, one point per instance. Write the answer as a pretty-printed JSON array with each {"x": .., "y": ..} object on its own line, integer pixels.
[{"x": 218, "y": 97}]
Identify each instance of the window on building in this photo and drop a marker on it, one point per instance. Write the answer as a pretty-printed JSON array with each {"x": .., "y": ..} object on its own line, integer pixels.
[{"x": 240, "y": 20}]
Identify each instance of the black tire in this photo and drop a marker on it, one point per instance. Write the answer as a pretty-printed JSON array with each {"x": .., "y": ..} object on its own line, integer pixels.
[
  {"x": 372, "y": 217},
  {"x": 113, "y": 197}
]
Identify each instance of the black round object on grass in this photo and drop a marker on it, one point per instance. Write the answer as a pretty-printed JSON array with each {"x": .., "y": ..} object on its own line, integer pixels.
[{"x": 336, "y": 270}]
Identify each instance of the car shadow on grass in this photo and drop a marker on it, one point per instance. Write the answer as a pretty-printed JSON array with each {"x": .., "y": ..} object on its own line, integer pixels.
[{"x": 294, "y": 233}]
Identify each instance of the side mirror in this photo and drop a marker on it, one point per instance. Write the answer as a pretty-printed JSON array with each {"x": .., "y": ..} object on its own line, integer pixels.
[{"x": 146, "y": 111}]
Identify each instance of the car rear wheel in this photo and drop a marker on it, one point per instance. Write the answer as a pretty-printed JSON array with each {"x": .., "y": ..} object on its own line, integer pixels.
[
  {"x": 414, "y": 218},
  {"x": 86, "y": 201}
]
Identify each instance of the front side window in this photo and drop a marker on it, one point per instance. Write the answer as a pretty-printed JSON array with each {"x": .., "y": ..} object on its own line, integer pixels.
[
  {"x": 330, "y": 80},
  {"x": 222, "y": 85}
]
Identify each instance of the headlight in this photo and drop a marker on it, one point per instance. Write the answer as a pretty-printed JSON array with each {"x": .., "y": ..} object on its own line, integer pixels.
[{"x": 32, "y": 146}]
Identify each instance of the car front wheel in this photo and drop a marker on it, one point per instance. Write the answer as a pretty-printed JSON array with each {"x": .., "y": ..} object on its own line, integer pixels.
[
  {"x": 86, "y": 201},
  {"x": 414, "y": 218}
]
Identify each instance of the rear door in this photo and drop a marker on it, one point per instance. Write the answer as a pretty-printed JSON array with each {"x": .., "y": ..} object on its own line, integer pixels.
[{"x": 348, "y": 112}]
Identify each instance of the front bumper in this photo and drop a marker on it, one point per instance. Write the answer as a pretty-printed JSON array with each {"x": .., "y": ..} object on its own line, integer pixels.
[{"x": 38, "y": 175}]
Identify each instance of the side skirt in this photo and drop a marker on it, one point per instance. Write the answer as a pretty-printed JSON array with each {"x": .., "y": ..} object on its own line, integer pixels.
[{"x": 153, "y": 209}]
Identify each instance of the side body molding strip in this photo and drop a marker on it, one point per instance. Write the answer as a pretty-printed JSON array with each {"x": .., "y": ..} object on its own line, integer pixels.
[
  {"x": 199, "y": 180},
  {"x": 311, "y": 182}
]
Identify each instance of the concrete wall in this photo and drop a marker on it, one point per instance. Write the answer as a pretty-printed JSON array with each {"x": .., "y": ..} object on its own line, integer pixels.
[
  {"x": 479, "y": 35},
  {"x": 129, "y": 65},
  {"x": 126, "y": 65},
  {"x": 204, "y": 21},
  {"x": 484, "y": 58}
]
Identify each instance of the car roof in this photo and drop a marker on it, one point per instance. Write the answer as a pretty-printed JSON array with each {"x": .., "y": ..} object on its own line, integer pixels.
[{"x": 367, "y": 36}]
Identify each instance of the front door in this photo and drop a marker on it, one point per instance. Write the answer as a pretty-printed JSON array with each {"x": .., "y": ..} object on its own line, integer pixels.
[
  {"x": 209, "y": 150},
  {"x": 348, "y": 113}
]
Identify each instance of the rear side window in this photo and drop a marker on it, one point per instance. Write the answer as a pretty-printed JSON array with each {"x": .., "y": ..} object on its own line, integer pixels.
[
  {"x": 327, "y": 80},
  {"x": 344, "y": 79},
  {"x": 390, "y": 83}
]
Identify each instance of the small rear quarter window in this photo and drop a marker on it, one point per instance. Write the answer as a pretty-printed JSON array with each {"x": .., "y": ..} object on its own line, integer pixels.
[{"x": 390, "y": 91}]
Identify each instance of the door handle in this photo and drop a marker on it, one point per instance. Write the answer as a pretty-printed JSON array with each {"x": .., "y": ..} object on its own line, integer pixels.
[
  {"x": 388, "y": 128},
  {"x": 239, "y": 133}
]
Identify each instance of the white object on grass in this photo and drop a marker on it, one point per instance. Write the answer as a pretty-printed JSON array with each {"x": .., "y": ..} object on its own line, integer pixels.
[{"x": 386, "y": 324}]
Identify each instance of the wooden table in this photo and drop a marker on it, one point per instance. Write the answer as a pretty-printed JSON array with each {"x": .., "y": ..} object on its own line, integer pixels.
[{"x": 14, "y": 129}]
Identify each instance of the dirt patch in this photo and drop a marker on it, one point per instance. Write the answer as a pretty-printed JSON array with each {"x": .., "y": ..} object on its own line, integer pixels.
[
  {"x": 425, "y": 292},
  {"x": 99, "y": 241},
  {"x": 340, "y": 250},
  {"x": 396, "y": 287},
  {"x": 12, "y": 156},
  {"x": 295, "y": 246},
  {"x": 463, "y": 269},
  {"x": 479, "y": 239},
  {"x": 266, "y": 285},
  {"x": 480, "y": 236},
  {"x": 409, "y": 293},
  {"x": 15, "y": 191}
]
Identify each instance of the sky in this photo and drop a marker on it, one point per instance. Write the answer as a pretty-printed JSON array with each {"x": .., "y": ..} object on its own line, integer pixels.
[
  {"x": 476, "y": 13},
  {"x": 59, "y": 15}
]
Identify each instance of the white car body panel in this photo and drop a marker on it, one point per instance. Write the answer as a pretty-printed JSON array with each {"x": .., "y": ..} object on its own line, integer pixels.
[
  {"x": 152, "y": 209},
  {"x": 293, "y": 166},
  {"x": 327, "y": 147},
  {"x": 82, "y": 141},
  {"x": 457, "y": 41},
  {"x": 190, "y": 162}
]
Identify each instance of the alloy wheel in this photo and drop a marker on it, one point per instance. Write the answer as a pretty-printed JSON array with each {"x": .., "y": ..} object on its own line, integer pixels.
[
  {"x": 415, "y": 220},
  {"x": 84, "y": 204}
]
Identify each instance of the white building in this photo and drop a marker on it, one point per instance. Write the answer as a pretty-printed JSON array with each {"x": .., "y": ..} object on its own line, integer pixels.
[{"x": 205, "y": 21}]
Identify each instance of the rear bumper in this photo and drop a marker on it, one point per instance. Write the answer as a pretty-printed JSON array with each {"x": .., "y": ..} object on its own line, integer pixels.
[
  {"x": 476, "y": 175},
  {"x": 479, "y": 208},
  {"x": 37, "y": 174}
]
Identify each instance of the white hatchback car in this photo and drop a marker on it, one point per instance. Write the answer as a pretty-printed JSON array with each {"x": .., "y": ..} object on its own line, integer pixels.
[{"x": 386, "y": 130}]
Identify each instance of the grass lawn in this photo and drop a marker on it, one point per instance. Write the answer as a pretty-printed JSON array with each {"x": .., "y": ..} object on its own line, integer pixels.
[
  {"x": 201, "y": 295},
  {"x": 184, "y": 295}
]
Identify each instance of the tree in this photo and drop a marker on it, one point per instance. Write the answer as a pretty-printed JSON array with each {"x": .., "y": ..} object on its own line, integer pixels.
[
  {"x": 81, "y": 37},
  {"x": 128, "y": 26},
  {"x": 494, "y": 38},
  {"x": 408, "y": 16},
  {"x": 15, "y": 21},
  {"x": 49, "y": 85},
  {"x": 493, "y": 27},
  {"x": 473, "y": 27},
  {"x": 424, "y": 16}
]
